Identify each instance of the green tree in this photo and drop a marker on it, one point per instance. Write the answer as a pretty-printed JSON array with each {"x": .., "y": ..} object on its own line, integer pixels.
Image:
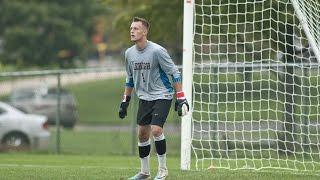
[
  {"x": 46, "y": 33},
  {"x": 166, "y": 18}
]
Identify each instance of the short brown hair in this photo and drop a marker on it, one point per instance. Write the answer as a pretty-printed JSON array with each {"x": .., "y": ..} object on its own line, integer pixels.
[{"x": 144, "y": 22}]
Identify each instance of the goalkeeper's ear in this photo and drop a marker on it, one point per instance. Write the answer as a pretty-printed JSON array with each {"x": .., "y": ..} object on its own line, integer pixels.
[{"x": 145, "y": 32}]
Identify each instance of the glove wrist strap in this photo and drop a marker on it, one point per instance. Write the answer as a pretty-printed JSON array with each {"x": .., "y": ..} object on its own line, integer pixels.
[
  {"x": 180, "y": 95},
  {"x": 126, "y": 98}
]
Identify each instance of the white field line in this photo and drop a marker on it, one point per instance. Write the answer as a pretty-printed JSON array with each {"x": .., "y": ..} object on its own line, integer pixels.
[
  {"x": 51, "y": 81},
  {"x": 273, "y": 171}
]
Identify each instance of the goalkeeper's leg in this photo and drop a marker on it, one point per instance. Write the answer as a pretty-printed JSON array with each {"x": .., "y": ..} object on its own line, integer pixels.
[
  {"x": 160, "y": 144},
  {"x": 144, "y": 148},
  {"x": 144, "y": 152},
  {"x": 159, "y": 115}
]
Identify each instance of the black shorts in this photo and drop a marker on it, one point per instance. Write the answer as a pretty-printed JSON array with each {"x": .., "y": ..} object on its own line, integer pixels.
[{"x": 153, "y": 112}]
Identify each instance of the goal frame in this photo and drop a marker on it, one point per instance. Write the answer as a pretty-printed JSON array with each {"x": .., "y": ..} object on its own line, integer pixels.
[
  {"x": 306, "y": 29},
  {"x": 187, "y": 63},
  {"x": 188, "y": 58}
]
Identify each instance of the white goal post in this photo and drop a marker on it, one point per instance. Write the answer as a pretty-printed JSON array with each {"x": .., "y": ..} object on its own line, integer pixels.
[
  {"x": 251, "y": 74},
  {"x": 187, "y": 83}
]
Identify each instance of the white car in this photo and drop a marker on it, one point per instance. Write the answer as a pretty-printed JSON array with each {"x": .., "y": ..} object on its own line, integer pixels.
[
  {"x": 43, "y": 100},
  {"x": 20, "y": 131}
]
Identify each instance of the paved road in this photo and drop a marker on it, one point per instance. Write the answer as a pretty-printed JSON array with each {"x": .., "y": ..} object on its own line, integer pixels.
[{"x": 120, "y": 128}]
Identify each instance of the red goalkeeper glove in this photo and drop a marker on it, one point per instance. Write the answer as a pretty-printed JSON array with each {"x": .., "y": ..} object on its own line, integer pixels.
[{"x": 181, "y": 104}]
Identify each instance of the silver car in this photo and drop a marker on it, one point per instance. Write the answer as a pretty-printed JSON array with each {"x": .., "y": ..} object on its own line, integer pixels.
[
  {"x": 20, "y": 131},
  {"x": 44, "y": 101}
]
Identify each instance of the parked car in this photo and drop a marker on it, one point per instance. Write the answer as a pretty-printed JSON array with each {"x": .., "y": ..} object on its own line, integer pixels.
[
  {"x": 20, "y": 131},
  {"x": 44, "y": 101}
]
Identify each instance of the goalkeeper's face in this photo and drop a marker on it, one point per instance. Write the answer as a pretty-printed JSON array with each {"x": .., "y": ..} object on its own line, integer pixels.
[{"x": 137, "y": 31}]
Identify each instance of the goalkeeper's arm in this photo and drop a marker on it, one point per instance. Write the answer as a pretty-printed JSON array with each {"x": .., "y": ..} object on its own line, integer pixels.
[{"x": 128, "y": 91}]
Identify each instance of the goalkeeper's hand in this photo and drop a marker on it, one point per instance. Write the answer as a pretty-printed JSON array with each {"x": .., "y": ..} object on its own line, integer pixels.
[
  {"x": 124, "y": 106},
  {"x": 181, "y": 104}
]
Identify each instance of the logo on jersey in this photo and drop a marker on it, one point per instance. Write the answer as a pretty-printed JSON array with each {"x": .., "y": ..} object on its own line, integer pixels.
[
  {"x": 168, "y": 95},
  {"x": 142, "y": 66}
]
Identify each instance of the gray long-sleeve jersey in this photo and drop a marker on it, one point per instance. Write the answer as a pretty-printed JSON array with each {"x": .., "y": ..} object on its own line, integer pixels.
[{"x": 148, "y": 70}]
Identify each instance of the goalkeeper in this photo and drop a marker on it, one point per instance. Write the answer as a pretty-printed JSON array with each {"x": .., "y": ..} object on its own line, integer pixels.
[{"x": 148, "y": 66}]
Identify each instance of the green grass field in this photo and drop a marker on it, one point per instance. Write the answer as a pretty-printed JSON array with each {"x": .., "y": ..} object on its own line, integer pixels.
[
  {"x": 98, "y": 101},
  {"x": 98, "y": 142},
  {"x": 42, "y": 166}
]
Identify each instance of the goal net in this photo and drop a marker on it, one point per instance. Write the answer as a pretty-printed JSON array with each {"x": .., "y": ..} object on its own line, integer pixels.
[{"x": 256, "y": 84}]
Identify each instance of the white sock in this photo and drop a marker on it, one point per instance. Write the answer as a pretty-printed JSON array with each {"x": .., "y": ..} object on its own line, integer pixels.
[
  {"x": 145, "y": 165},
  {"x": 162, "y": 160},
  {"x": 145, "y": 161}
]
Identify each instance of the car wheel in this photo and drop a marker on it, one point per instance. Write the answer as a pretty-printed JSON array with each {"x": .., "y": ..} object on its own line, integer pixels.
[
  {"x": 15, "y": 142},
  {"x": 69, "y": 125}
]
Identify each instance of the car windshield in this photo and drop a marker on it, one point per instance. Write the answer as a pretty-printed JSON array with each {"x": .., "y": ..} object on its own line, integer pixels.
[
  {"x": 51, "y": 93},
  {"x": 22, "y": 94}
]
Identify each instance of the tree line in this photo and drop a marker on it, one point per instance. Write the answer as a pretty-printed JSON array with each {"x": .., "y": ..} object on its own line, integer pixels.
[{"x": 60, "y": 33}]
